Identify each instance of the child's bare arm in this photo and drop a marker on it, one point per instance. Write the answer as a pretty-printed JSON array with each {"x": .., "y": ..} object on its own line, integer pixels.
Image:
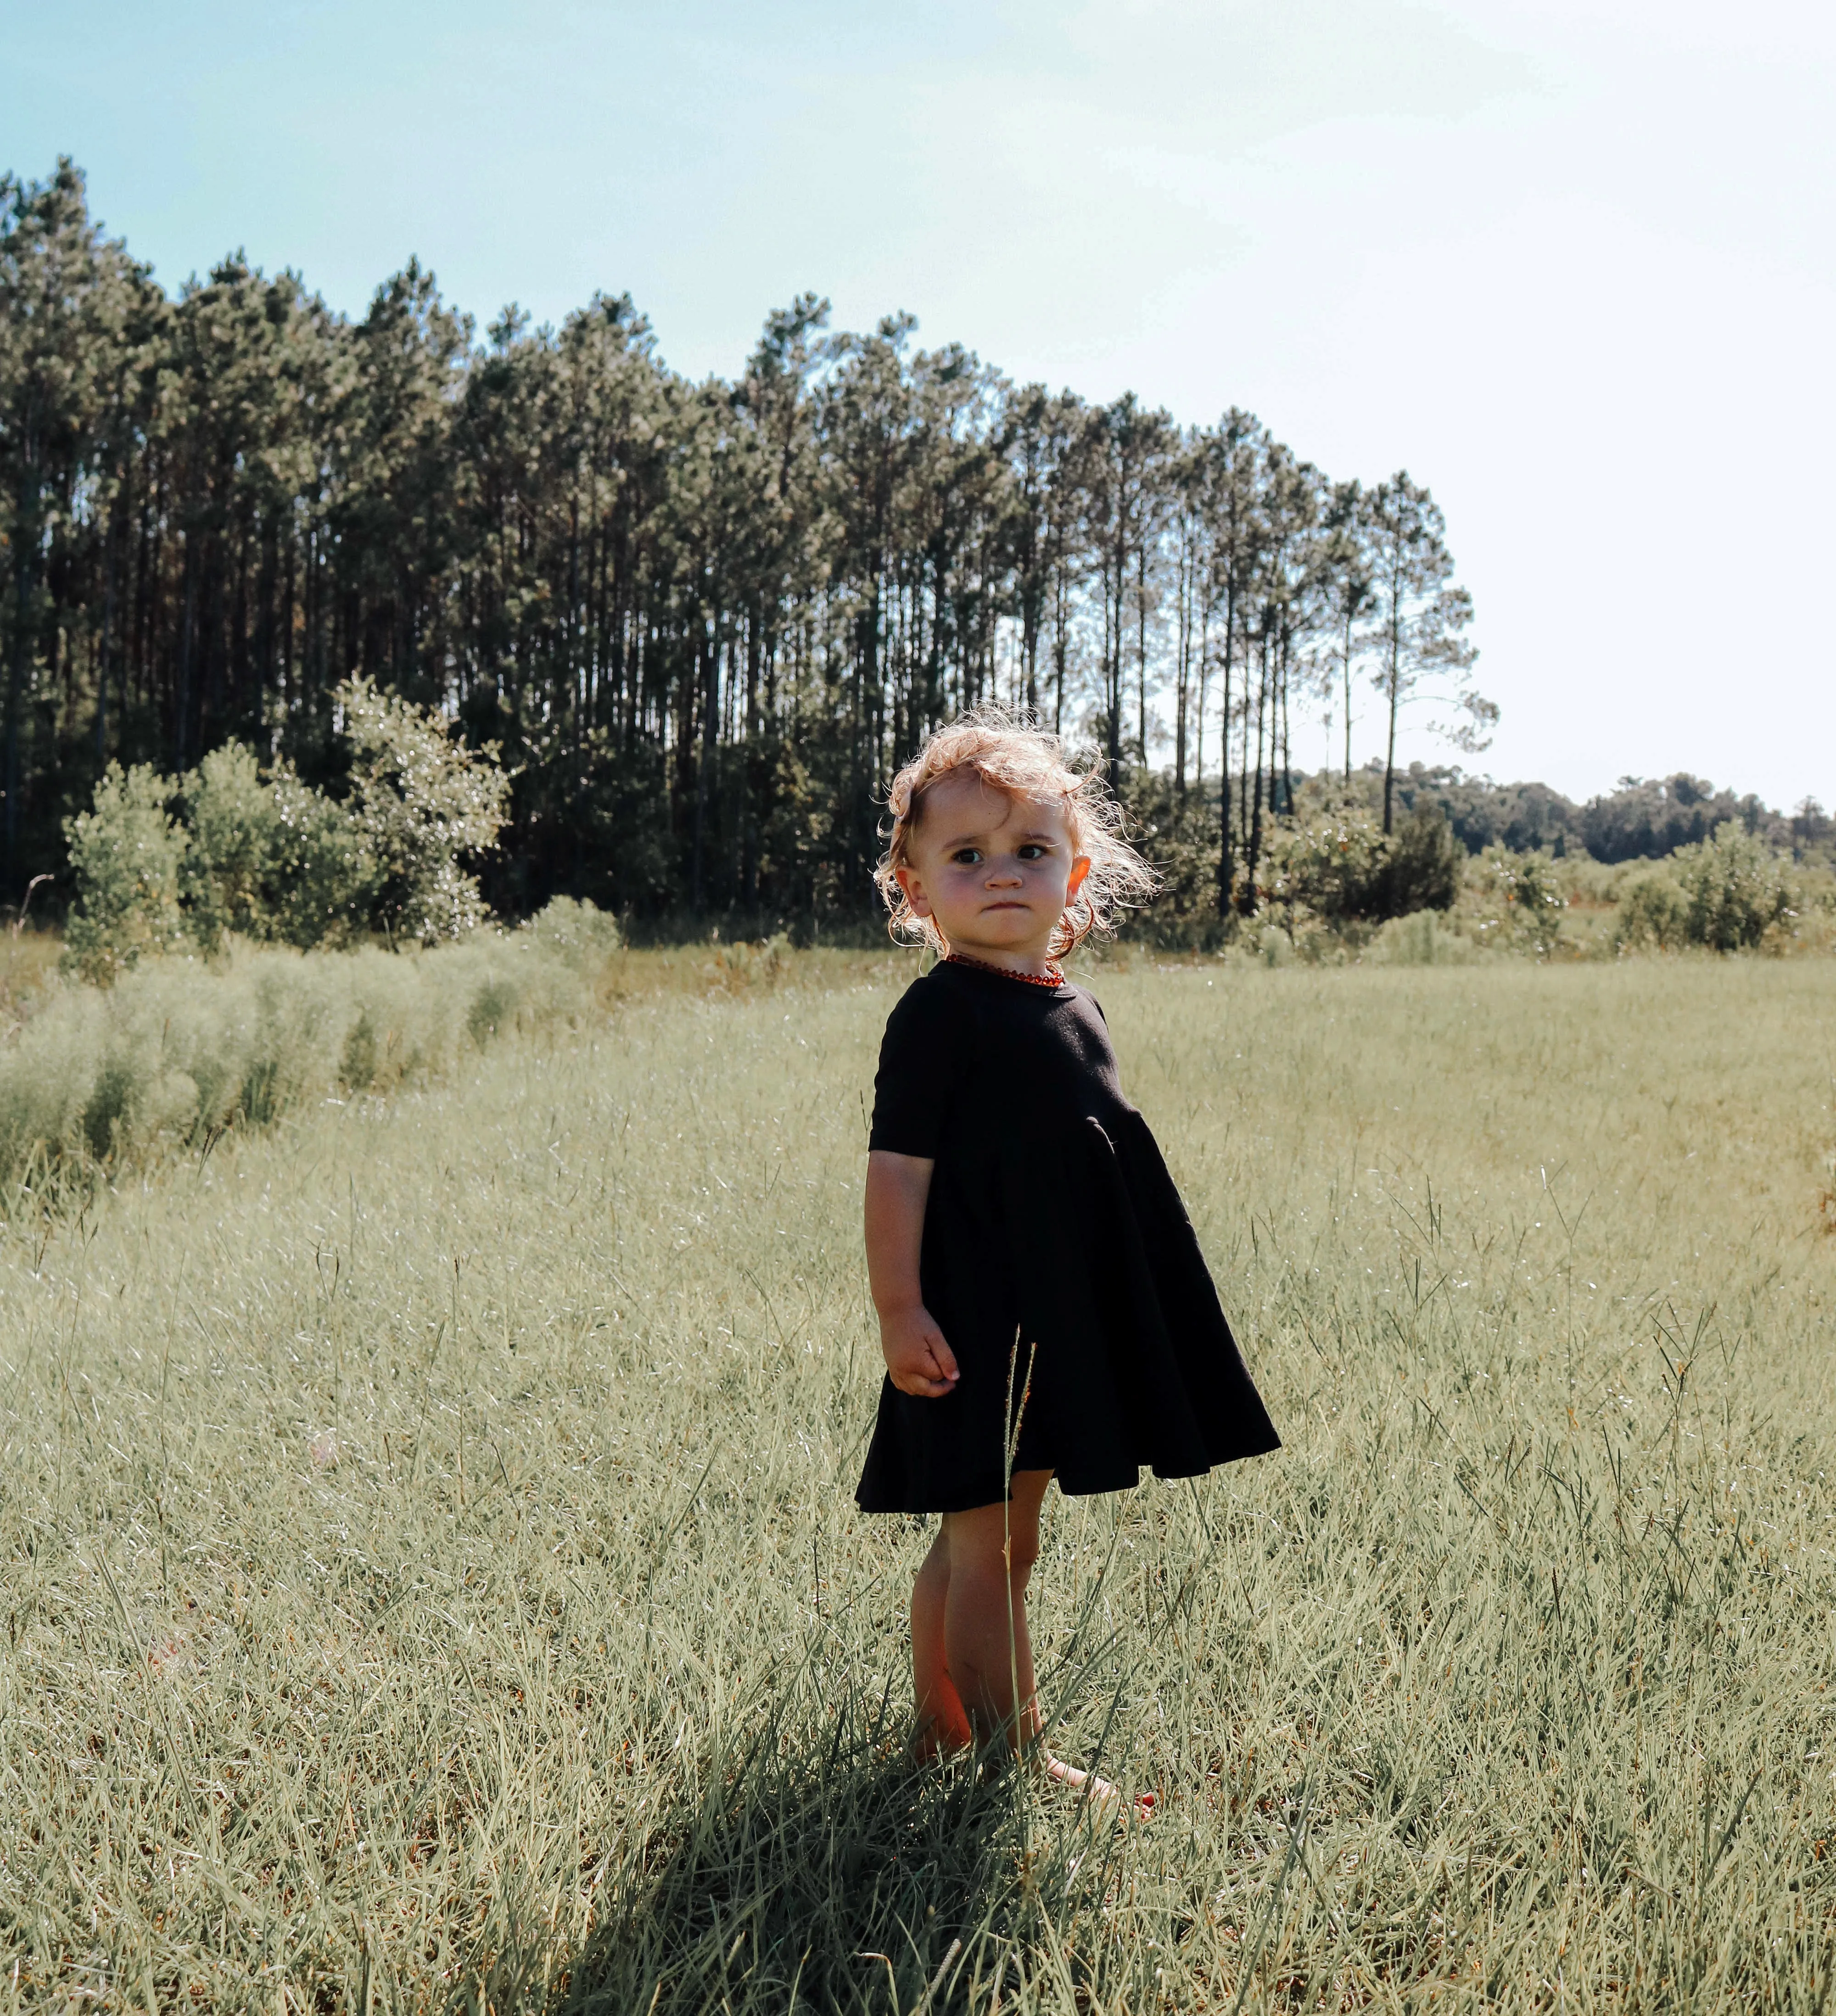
[{"x": 917, "y": 1357}]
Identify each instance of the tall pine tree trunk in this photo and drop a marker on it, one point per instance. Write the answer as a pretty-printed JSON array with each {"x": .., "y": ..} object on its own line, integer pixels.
[
  {"x": 110, "y": 540},
  {"x": 1255, "y": 847},
  {"x": 1226, "y": 855},
  {"x": 1394, "y": 695},
  {"x": 1204, "y": 691},
  {"x": 1061, "y": 646},
  {"x": 15, "y": 687},
  {"x": 1182, "y": 674},
  {"x": 1112, "y": 643},
  {"x": 748, "y": 817},
  {"x": 709, "y": 671}
]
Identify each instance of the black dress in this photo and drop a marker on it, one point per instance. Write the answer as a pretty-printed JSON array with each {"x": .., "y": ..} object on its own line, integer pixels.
[{"x": 1051, "y": 1221}]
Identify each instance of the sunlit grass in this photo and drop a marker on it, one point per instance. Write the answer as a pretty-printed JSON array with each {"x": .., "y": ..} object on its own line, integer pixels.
[{"x": 432, "y": 1579}]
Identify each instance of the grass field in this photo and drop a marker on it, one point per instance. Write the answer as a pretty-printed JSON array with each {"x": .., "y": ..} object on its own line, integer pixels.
[{"x": 432, "y": 1578}]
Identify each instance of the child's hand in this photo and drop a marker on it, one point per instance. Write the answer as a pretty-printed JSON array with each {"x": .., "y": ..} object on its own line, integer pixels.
[{"x": 919, "y": 1360}]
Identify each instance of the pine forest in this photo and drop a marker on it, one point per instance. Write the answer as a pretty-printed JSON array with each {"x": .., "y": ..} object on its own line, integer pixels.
[{"x": 700, "y": 621}]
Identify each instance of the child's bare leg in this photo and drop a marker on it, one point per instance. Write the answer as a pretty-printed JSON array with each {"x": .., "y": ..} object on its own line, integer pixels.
[
  {"x": 942, "y": 1723},
  {"x": 991, "y": 1551},
  {"x": 986, "y": 1647}
]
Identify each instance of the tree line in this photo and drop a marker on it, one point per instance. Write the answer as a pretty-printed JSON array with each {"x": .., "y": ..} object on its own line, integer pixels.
[
  {"x": 1642, "y": 818},
  {"x": 703, "y": 621}
]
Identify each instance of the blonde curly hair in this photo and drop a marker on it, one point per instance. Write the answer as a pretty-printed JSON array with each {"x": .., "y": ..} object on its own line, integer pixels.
[{"x": 1008, "y": 751}]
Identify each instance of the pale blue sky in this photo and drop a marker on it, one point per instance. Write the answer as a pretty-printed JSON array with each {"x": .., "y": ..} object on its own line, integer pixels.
[{"x": 1572, "y": 262}]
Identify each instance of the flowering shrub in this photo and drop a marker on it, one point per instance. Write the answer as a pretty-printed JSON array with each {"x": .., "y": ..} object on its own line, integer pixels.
[
  {"x": 1332, "y": 864},
  {"x": 1515, "y": 900}
]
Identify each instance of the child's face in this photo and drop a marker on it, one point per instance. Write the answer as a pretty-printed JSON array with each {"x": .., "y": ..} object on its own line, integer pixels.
[{"x": 994, "y": 872}]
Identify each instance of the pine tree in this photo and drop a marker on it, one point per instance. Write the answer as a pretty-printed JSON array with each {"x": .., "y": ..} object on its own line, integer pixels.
[{"x": 1420, "y": 617}]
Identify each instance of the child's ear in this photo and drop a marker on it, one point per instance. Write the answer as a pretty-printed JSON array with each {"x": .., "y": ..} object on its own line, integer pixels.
[
  {"x": 914, "y": 891},
  {"x": 1079, "y": 869}
]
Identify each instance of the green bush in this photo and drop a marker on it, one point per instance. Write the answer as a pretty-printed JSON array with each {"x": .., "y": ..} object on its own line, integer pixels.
[
  {"x": 1339, "y": 866},
  {"x": 1736, "y": 888},
  {"x": 233, "y": 840},
  {"x": 1419, "y": 940},
  {"x": 128, "y": 859},
  {"x": 581, "y": 935},
  {"x": 272, "y": 860},
  {"x": 1422, "y": 872},
  {"x": 325, "y": 882},
  {"x": 1654, "y": 912}
]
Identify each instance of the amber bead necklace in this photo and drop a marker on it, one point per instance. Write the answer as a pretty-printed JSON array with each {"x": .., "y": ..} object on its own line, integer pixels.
[{"x": 1051, "y": 977}]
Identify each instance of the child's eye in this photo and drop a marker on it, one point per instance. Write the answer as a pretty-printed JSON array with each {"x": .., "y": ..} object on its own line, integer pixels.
[
  {"x": 968, "y": 857},
  {"x": 1033, "y": 850}
]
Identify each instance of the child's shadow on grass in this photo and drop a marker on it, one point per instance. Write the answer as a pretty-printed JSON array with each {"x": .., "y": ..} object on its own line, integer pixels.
[{"x": 827, "y": 1869}]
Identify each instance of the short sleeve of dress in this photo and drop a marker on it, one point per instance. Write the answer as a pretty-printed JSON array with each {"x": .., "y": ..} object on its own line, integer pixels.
[{"x": 920, "y": 1060}]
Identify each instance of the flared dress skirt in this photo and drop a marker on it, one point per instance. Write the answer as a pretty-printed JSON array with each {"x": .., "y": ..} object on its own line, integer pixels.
[{"x": 1058, "y": 1260}]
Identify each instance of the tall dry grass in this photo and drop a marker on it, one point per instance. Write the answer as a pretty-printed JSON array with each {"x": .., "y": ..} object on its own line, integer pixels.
[
  {"x": 433, "y": 1579},
  {"x": 95, "y": 1082}
]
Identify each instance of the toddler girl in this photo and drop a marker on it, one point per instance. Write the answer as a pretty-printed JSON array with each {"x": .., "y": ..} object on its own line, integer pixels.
[{"x": 1044, "y": 1308}]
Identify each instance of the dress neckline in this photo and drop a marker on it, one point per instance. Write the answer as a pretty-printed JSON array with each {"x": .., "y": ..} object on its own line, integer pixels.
[{"x": 1052, "y": 977}]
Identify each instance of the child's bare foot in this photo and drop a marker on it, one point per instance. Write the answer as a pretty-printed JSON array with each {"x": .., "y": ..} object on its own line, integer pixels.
[
  {"x": 1105, "y": 1798},
  {"x": 933, "y": 1742}
]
